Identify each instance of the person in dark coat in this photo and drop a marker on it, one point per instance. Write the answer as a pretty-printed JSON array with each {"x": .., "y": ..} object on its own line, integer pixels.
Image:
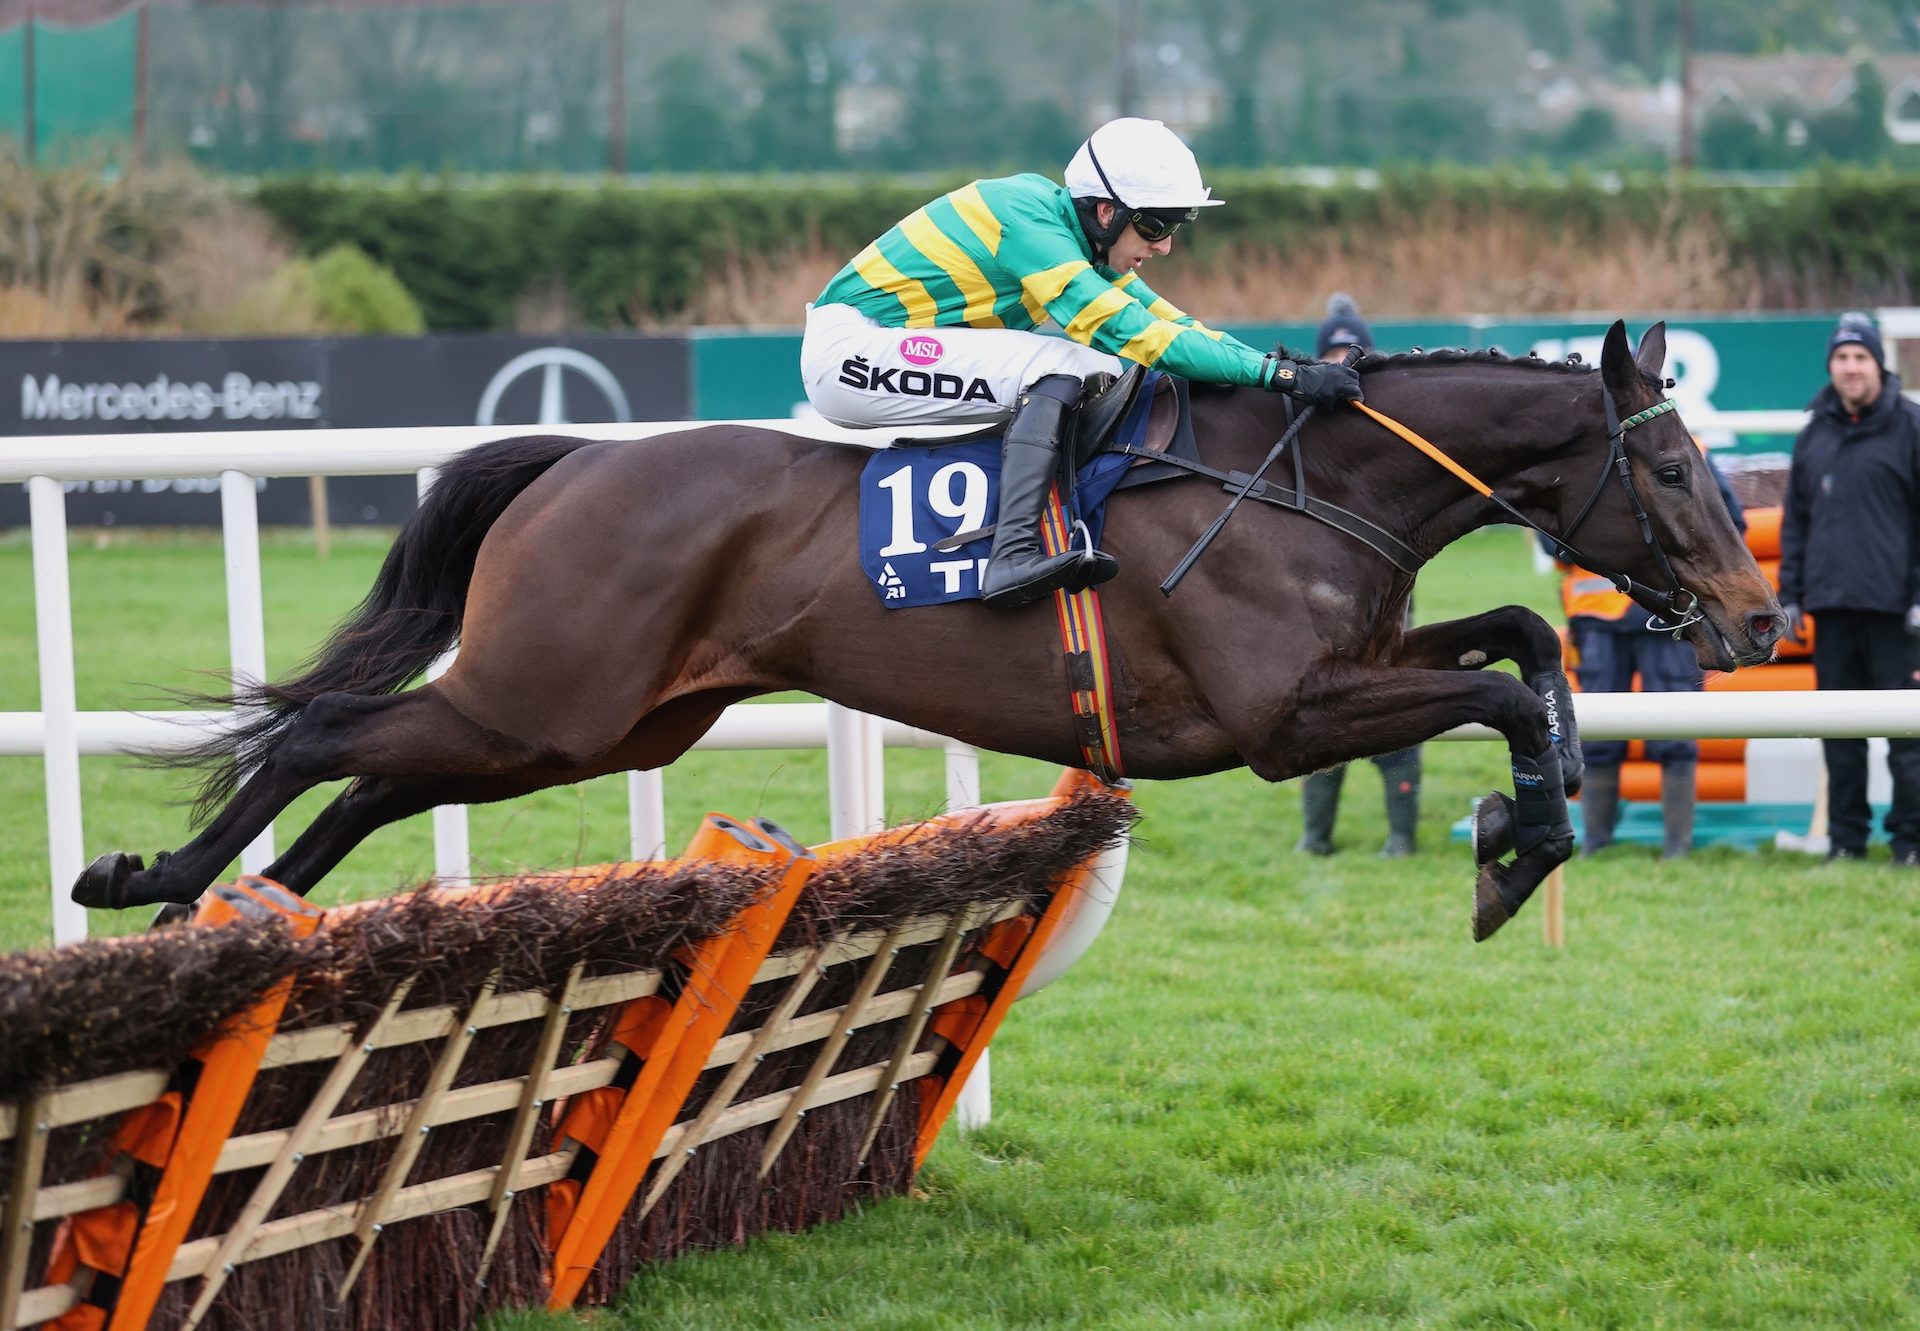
[{"x": 1850, "y": 556}]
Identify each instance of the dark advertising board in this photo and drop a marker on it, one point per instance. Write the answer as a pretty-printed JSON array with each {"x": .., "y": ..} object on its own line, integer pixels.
[{"x": 104, "y": 387}]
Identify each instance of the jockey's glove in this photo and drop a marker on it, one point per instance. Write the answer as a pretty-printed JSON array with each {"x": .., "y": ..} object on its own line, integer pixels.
[{"x": 1315, "y": 383}]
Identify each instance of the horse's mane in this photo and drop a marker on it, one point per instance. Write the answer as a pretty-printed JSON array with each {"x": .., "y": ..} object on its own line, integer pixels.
[
  {"x": 1374, "y": 360},
  {"x": 1439, "y": 356}
]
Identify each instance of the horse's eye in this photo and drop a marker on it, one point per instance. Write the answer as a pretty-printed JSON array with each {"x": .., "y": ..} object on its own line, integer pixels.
[{"x": 1674, "y": 476}]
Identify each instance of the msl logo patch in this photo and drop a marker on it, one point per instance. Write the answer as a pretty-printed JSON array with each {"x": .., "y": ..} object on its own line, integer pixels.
[
  {"x": 858, "y": 372},
  {"x": 921, "y": 350}
]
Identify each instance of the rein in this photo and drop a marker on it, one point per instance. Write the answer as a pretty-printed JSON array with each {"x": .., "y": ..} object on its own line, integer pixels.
[
  {"x": 1679, "y": 605},
  {"x": 1246, "y": 488}
]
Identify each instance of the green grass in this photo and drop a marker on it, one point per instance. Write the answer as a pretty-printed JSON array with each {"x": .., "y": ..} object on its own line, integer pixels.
[{"x": 1278, "y": 1091}]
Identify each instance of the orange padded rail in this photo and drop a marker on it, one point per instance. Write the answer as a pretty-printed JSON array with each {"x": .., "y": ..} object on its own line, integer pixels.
[
  {"x": 1724, "y": 783},
  {"x": 229, "y": 1061},
  {"x": 719, "y": 974}
]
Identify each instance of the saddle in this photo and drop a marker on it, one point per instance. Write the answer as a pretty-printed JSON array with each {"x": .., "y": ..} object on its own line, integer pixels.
[{"x": 1108, "y": 402}]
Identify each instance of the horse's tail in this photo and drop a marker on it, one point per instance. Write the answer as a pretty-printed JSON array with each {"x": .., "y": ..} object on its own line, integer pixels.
[{"x": 411, "y": 615}]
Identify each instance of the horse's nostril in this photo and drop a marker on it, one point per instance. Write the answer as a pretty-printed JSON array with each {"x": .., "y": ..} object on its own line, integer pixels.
[{"x": 1765, "y": 629}]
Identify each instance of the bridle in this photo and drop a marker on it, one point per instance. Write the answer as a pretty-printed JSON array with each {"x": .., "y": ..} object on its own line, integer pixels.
[
  {"x": 1674, "y": 609},
  {"x": 1678, "y": 604}
]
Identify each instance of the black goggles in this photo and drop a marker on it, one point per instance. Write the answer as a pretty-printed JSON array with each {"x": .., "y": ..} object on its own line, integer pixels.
[{"x": 1156, "y": 224}]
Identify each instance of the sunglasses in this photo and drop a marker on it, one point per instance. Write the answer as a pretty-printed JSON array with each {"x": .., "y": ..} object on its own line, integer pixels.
[{"x": 1155, "y": 226}]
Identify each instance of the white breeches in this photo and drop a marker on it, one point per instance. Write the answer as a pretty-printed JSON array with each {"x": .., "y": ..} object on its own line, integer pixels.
[{"x": 858, "y": 372}]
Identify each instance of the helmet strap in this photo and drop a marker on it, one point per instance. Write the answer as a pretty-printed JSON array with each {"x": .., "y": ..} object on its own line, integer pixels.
[
  {"x": 1102, "y": 237},
  {"x": 1112, "y": 193}
]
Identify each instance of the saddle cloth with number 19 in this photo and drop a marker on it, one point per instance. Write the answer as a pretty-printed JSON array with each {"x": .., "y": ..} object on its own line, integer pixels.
[{"x": 914, "y": 499}]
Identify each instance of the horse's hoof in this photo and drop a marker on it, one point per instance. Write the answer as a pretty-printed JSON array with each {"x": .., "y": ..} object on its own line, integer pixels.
[
  {"x": 1492, "y": 827},
  {"x": 1490, "y": 909},
  {"x": 171, "y": 914},
  {"x": 1502, "y": 889},
  {"x": 102, "y": 885}
]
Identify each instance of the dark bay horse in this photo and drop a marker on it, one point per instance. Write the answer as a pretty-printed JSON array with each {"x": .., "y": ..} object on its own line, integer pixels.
[{"x": 611, "y": 599}]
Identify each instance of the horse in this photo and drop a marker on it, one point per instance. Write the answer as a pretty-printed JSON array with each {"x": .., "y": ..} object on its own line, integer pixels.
[{"x": 611, "y": 599}]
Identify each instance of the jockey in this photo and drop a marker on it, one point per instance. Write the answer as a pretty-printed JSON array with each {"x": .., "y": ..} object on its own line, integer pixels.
[{"x": 979, "y": 270}]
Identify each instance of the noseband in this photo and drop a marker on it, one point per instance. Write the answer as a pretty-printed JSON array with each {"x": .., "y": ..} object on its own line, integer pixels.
[{"x": 1676, "y": 608}]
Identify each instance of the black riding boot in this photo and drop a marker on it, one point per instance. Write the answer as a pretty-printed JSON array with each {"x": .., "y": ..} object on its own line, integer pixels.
[{"x": 1017, "y": 569}]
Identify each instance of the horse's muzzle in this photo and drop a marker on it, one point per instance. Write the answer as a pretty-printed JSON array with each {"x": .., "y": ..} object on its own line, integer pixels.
[{"x": 1749, "y": 643}]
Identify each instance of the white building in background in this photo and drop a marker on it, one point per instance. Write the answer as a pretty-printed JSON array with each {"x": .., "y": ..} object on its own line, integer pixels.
[
  {"x": 1800, "y": 87},
  {"x": 866, "y": 114}
]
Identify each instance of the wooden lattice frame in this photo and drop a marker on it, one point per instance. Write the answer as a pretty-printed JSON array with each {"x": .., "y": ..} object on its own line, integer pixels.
[{"x": 960, "y": 1006}]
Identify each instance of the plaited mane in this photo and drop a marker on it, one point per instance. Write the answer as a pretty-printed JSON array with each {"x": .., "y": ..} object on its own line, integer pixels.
[{"x": 1464, "y": 356}]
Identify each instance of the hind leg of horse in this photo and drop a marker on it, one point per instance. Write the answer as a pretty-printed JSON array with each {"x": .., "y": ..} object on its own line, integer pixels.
[
  {"x": 371, "y": 803},
  {"x": 1378, "y": 709},
  {"x": 337, "y": 735},
  {"x": 1511, "y": 633},
  {"x": 117, "y": 880}
]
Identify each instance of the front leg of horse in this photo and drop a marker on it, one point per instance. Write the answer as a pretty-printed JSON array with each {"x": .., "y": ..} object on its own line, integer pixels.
[
  {"x": 1511, "y": 633},
  {"x": 1541, "y": 835},
  {"x": 1380, "y": 709}
]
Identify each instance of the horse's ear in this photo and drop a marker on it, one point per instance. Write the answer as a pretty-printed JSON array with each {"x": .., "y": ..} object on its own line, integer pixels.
[
  {"x": 1617, "y": 368},
  {"x": 1651, "y": 354}
]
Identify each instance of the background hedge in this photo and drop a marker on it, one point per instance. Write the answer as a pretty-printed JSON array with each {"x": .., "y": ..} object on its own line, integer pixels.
[{"x": 635, "y": 253}]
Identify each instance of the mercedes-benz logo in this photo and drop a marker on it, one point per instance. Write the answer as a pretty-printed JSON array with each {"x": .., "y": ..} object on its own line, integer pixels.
[{"x": 553, "y": 363}]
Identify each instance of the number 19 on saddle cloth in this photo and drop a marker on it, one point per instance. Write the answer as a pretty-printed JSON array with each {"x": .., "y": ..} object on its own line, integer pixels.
[{"x": 913, "y": 499}]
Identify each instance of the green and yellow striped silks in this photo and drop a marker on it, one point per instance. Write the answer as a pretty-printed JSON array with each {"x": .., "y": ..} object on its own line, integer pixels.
[{"x": 1010, "y": 253}]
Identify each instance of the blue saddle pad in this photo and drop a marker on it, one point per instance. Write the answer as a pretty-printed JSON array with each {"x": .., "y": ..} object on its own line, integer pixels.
[{"x": 912, "y": 499}]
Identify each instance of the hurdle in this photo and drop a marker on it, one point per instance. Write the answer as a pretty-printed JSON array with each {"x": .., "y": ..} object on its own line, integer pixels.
[{"x": 411, "y": 1111}]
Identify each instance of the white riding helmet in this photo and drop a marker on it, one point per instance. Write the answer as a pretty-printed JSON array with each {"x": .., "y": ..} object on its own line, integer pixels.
[{"x": 1139, "y": 163}]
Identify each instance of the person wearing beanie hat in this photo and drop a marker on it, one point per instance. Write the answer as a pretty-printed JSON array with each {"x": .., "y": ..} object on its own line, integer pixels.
[
  {"x": 1399, "y": 771},
  {"x": 1856, "y": 329},
  {"x": 1342, "y": 328},
  {"x": 937, "y": 321},
  {"x": 1850, "y": 557}
]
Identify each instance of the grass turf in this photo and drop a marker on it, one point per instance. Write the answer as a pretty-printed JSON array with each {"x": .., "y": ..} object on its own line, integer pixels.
[{"x": 1279, "y": 1090}]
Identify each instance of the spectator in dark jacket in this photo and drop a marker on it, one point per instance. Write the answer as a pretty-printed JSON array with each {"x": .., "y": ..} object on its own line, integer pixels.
[{"x": 1850, "y": 555}]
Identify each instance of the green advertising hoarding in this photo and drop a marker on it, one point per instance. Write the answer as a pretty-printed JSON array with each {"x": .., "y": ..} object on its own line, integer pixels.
[
  {"x": 1761, "y": 362},
  {"x": 746, "y": 376},
  {"x": 82, "y": 86},
  {"x": 1758, "y": 362}
]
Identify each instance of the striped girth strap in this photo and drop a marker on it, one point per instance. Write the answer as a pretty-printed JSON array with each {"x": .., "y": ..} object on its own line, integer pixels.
[{"x": 1083, "y": 637}]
